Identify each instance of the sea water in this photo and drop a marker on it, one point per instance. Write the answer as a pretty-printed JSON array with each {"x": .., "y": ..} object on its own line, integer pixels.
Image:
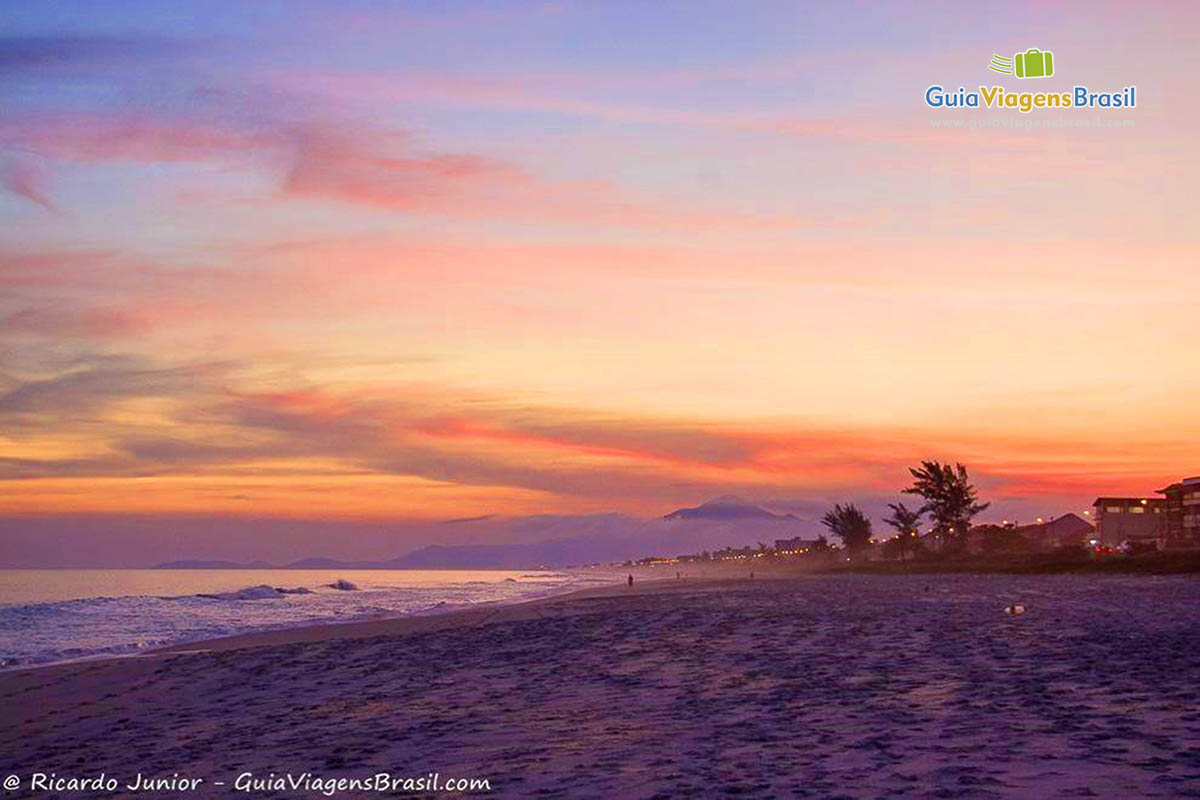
[{"x": 58, "y": 615}]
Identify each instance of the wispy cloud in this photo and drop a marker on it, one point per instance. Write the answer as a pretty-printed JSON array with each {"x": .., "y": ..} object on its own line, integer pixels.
[
  {"x": 29, "y": 56},
  {"x": 25, "y": 181},
  {"x": 381, "y": 168},
  {"x": 90, "y": 323},
  {"x": 201, "y": 425},
  {"x": 93, "y": 390}
]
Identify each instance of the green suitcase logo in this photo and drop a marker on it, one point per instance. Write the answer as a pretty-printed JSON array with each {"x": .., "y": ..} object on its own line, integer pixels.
[{"x": 1033, "y": 63}]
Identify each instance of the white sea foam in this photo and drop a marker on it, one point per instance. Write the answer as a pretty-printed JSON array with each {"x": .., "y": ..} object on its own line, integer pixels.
[
  {"x": 261, "y": 592},
  {"x": 42, "y": 632}
]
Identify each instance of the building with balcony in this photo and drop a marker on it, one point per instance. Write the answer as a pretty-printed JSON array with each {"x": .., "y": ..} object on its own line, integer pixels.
[
  {"x": 1129, "y": 519},
  {"x": 1181, "y": 513}
]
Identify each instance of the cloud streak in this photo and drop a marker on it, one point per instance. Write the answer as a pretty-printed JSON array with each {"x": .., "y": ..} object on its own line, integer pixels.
[
  {"x": 26, "y": 182},
  {"x": 357, "y": 164},
  {"x": 585, "y": 457},
  {"x": 25, "y": 56}
]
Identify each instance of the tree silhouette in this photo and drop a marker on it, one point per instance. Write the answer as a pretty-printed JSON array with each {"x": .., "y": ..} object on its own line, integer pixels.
[
  {"x": 850, "y": 524},
  {"x": 950, "y": 499},
  {"x": 905, "y": 520}
]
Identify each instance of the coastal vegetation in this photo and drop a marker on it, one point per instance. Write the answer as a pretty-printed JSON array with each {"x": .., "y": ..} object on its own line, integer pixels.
[
  {"x": 951, "y": 541},
  {"x": 950, "y": 499},
  {"x": 851, "y": 525},
  {"x": 906, "y": 522}
]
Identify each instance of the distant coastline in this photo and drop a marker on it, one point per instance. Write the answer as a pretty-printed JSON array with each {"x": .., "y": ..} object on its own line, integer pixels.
[{"x": 1161, "y": 563}]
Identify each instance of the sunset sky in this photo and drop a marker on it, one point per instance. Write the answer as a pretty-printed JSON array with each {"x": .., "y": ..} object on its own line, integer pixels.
[{"x": 390, "y": 261}]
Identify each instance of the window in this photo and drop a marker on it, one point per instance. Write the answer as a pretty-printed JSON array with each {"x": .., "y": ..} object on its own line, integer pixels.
[
  {"x": 1113, "y": 509},
  {"x": 1137, "y": 509}
]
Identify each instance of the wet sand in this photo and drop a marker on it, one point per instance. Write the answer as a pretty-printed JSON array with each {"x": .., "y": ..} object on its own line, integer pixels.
[{"x": 851, "y": 686}]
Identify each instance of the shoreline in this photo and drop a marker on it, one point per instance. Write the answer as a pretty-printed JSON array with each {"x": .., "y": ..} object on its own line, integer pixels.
[
  {"x": 590, "y": 579},
  {"x": 426, "y": 620},
  {"x": 1185, "y": 562},
  {"x": 648, "y": 581},
  {"x": 430, "y": 620}
]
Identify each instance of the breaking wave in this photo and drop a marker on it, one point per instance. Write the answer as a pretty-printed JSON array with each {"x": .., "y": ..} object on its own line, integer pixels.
[{"x": 44, "y": 632}]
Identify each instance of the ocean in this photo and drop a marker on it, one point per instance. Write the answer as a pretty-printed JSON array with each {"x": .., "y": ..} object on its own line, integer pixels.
[{"x": 60, "y": 615}]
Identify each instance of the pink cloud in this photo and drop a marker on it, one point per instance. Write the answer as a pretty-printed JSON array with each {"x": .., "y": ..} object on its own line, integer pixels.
[
  {"x": 61, "y": 268},
  {"x": 93, "y": 323},
  {"x": 331, "y": 166},
  {"x": 25, "y": 181},
  {"x": 376, "y": 167},
  {"x": 362, "y": 169},
  {"x": 136, "y": 137}
]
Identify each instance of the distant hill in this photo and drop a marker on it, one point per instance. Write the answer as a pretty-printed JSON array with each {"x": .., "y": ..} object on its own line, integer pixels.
[
  {"x": 199, "y": 564},
  {"x": 559, "y": 541},
  {"x": 662, "y": 537},
  {"x": 727, "y": 507},
  {"x": 320, "y": 563}
]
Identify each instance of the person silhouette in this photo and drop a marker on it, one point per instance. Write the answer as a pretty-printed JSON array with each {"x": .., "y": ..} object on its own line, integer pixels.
[{"x": 631, "y": 581}]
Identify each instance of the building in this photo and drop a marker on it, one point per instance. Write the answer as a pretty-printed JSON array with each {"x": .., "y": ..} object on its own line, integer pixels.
[
  {"x": 1069, "y": 530},
  {"x": 1129, "y": 519},
  {"x": 1181, "y": 513}
]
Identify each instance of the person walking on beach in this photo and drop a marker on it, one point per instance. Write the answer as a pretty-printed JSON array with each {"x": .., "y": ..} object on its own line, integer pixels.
[{"x": 631, "y": 581}]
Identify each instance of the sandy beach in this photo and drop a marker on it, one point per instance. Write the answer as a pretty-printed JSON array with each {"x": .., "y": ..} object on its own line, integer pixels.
[{"x": 847, "y": 686}]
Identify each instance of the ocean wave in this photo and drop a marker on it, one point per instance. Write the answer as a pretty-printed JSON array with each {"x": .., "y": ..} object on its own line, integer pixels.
[
  {"x": 43, "y": 632},
  {"x": 260, "y": 592}
]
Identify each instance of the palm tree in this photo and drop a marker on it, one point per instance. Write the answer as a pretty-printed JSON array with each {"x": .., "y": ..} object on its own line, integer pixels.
[
  {"x": 949, "y": 496},
  {"x": 905, "y": 520},
  {"x": 850, "y": 524}
]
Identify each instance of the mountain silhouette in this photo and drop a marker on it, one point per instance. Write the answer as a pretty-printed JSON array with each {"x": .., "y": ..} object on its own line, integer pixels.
[
  {"x": 727, "y": 507},
  {"x": 550, "y": 540}
]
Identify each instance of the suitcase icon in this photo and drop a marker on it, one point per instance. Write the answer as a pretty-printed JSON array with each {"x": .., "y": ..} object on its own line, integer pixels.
[{"x": 1034, "y": 63}]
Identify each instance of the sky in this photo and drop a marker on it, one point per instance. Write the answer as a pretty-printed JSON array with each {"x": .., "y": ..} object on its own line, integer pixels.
[{"x": 389, "y": 262}]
